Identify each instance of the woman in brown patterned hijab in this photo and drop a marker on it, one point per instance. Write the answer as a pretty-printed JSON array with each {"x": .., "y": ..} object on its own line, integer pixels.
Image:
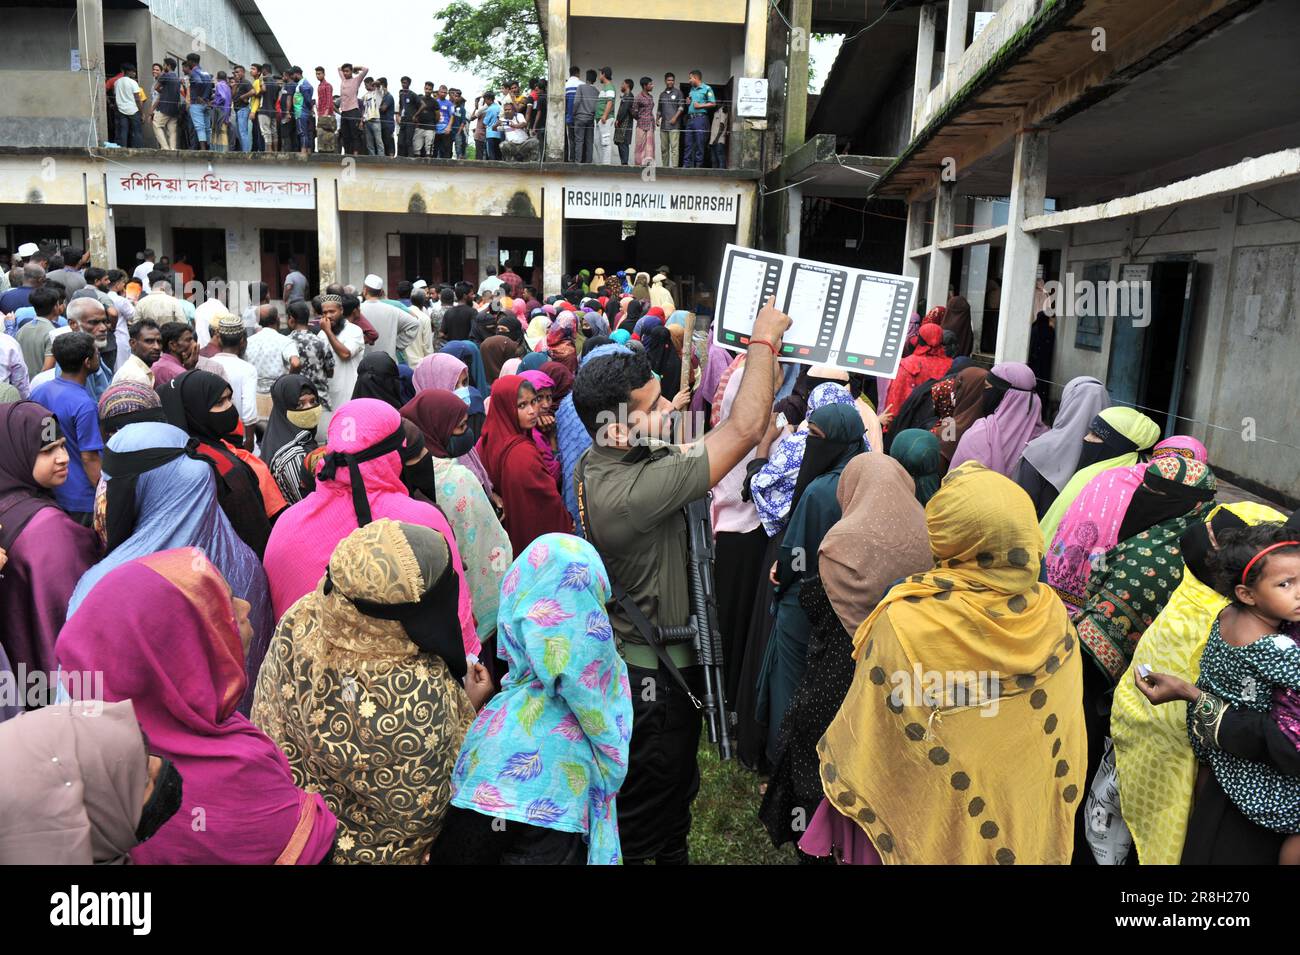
[
  {"x": 360, "y": 690},
  {"x": 967, "y": 407}
]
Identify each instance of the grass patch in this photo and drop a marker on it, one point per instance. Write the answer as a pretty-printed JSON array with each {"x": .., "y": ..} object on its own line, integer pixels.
[{"x": 724, "y": 827}]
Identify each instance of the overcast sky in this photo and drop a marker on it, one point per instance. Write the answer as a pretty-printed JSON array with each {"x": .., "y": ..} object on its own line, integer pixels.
[
  {"x": 395, "y": 38},
  {"x": 392, "y": 37}
]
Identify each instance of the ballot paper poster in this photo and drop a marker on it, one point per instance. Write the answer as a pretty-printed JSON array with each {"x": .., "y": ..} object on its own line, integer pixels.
[{"x": 849, "y": 318}]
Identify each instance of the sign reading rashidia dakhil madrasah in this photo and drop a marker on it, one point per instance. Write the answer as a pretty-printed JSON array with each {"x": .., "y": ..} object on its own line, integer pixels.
[
  {"x": 702, "y": 202},
  {"x": 185, "y": 184}
]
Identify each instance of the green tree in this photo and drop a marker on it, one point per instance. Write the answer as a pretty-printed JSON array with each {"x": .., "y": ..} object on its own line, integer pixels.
[{"x": 497, "y": 40}]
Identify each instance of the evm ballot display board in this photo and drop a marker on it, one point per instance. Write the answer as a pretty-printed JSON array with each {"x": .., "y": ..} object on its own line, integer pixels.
[{"x": 841, "y": 316}]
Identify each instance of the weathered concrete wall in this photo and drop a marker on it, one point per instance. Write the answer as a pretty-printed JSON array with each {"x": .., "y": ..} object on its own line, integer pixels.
[
  {"x": 55, "y": 29},
  {"x": 57, "y": 115}
]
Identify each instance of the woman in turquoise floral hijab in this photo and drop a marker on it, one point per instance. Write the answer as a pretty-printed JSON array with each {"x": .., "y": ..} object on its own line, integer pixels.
[{"x": 549, "y": 752}]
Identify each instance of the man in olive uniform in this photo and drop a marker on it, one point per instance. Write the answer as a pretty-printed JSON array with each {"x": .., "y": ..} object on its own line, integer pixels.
[{"x": 634, "y": 486}]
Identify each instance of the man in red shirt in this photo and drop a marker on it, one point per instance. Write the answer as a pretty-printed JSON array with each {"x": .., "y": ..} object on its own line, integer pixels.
[{"x": 511, "y": 283}]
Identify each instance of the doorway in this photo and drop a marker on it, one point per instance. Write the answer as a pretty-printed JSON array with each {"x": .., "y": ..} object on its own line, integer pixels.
[
  {"x": 691, "y": 251},
  {"x": 203, "y": 251},
  {"x": 130, "y": 243},
  {"x": 116, "y": 55},
  {"x": 1148, "y": 355},
  {"x": 437, "y": 258},
  {"x": 281, "y": 245},
  {"x": 525, "y": 255}
]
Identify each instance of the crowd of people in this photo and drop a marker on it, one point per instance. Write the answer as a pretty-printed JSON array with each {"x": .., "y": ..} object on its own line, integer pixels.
[
  {"x": 382, "y": 579},
  {"x": 260, "y": 109}
]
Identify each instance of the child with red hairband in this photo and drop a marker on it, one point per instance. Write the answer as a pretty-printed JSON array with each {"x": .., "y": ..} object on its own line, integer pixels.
[{"x": 1251, "y": 663}]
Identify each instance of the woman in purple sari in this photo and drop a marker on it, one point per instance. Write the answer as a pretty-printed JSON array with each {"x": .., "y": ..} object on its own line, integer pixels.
[
  {"x": 46, "y": 550},
  {"x": 159, "y": 499}
]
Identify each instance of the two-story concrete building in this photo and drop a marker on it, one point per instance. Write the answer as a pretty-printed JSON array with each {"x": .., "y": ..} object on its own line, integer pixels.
[{"x": 239, "y": 216}]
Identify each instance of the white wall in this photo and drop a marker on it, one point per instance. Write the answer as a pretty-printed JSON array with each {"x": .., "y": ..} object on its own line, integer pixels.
[{"x": 1243, "y": 344}]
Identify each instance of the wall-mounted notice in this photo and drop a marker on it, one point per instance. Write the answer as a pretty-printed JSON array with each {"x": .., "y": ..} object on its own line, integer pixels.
[{"x": 841, "y": 316}]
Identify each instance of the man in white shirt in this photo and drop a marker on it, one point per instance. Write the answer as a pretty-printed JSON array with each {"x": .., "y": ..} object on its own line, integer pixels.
[
  {"x": 518, "y": 145},
  {"x": 146, "y": 348},
  {"x": 241, "y": 375},
  {"x": 141, "y": 273},
  {"x": 396, "y": 326},
  {"x": 491, "y": 283},
  {"x": 129, "y": 133},
  {"x": 161, "y": 306},
  {"x": 265, "y": 353},
  {"x": 422, "y": 344},
  {"x": 346, "y": 341}
]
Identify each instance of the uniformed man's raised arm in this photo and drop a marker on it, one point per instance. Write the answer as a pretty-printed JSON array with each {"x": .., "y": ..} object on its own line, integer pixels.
[{"x": 735, "y": 437}]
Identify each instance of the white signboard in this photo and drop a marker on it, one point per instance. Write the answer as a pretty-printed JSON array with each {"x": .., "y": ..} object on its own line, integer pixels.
[
  {"x": 751, "y": 97},
  {"x": 190, "y": 184},
  {"x": 982, "y": 19},
  {"x": 640, "y": 201},
  {"x": 849, "y": 318}
]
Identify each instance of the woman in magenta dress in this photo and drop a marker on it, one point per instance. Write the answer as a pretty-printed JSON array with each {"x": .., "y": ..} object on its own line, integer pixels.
[{"x": 46, "y": 550}]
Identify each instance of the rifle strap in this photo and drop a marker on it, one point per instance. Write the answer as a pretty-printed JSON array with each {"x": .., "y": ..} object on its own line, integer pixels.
[{"x": 621, "y": 596}]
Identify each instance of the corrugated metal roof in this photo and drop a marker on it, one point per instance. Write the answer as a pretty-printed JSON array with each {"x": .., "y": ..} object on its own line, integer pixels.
[{"x": 252, "y": 17}]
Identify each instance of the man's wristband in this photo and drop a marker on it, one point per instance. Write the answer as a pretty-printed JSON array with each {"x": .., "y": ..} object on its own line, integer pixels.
[{"x": 764, "y": 341}]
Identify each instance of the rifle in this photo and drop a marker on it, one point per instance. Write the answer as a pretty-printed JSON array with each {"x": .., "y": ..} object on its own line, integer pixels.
[{"x": 702, "y": 631}]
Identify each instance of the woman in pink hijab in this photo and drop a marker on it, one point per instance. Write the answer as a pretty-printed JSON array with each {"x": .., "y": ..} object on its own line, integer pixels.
[
  {"x": 175, "y": 649},
  {"x": 998, "y": 439},
  {"x": 450, "y": 374},
  {"x": 365, "y": 438}
]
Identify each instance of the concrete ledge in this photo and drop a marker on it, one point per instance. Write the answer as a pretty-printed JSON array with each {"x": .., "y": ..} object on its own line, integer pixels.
[{"x": 337, "y": 161}]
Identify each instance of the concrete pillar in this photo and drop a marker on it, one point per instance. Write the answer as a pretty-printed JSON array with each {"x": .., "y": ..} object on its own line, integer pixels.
[
  {"x": 977, "y": 266},
  {"x": 914, "y": 239},
  {"x": 552, "y": 238},
  {"x": 747, "y": 134},
  {"x": 925, "y": 35},
  {"x": 794, "y": 219},
  {"x": 557, "y": 68},
  {"x": 90, "y": 42},
  {"x": 100, "y": 237},
  {"x": 936, "y": 290},
  {"x": 954, "y": 42},
  {"x": 244, "y": 265},
  {"x": 154, "y": 235},
  {"x": 745, "y": 218},
  {"x": 329, "y": 232},
  {"x": 353, "y": 261},
  {"x": 796, "y": 99},
  {"x": 1020, "y": 262}
]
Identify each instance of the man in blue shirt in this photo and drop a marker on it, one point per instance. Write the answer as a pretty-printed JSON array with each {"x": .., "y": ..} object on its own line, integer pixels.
[
  {"x": 491, "y": 118},
  {"x": 698, "y": 116},
  {"x": 459, "y": 122},
  {"x": 67, "y": 400},
  {"x": 201, "y": 88},
  {"x": 442, "y": 133},
  {"x": 166, "y": 111}
]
